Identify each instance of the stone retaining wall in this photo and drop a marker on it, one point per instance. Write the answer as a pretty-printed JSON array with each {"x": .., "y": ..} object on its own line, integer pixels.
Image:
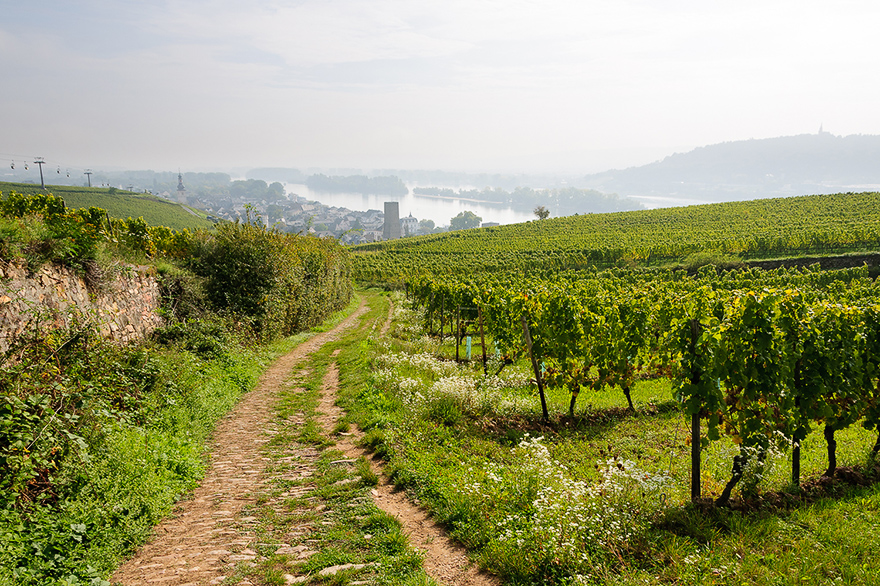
[{"x": 124, "y": 309}]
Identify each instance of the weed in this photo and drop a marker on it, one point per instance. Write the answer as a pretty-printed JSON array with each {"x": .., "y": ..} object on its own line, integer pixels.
[
  {"x": 365, "y": 471},
  {"x": 444, "y": 410},
  {"x": 341, "y": 427}
]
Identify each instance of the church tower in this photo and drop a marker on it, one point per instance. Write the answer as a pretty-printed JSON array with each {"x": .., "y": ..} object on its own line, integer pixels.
[{"x": 181, "y": 190}]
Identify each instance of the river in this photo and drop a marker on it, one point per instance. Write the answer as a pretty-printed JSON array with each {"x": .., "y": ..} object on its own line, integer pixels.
[{"x": 439, "y": 209}]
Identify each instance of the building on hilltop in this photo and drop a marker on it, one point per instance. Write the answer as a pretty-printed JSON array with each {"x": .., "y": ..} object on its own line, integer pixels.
[
  {"x": 391, "y": 231},
  {"x": 409, "y": 226}
]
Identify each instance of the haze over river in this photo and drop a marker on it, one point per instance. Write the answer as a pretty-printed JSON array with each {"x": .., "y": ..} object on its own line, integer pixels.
[
  {"x": 439, "y": 209},
  {"x": 442, "y": 209}
]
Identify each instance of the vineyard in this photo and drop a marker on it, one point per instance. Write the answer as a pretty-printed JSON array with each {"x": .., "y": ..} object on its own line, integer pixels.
[
  {"x": 760, "y": 229},
  {"x": 120, "y": 204},
  {"x": 762, "y": 357},
  {"x": 625, "y": 411},
  {"x": 572, "y": 461}
]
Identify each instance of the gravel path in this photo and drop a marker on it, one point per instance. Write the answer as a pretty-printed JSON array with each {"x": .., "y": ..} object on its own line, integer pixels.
[{"x": 445, "y": 561}]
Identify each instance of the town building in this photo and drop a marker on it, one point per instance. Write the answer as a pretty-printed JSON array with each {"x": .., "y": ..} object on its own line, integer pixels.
[
  {"x": 181, "y": 190},
  {"x": 409, "y": 226}
]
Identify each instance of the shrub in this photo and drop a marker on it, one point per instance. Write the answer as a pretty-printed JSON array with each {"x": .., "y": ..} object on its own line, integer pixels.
[
  {"x": 42, "y": 229},
  {"x": 203, "y": 337},
  {"x": 284, "y": 282},
  {"x": 65, "y": 236}
]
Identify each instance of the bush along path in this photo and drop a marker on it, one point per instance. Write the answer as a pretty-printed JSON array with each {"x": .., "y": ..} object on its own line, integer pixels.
[{"x": 290, "y": 499}]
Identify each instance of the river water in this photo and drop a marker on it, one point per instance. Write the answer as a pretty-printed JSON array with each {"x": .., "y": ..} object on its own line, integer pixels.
[
  {"x": 442, "y": 209},
  {"x": 439, "y": 209}
]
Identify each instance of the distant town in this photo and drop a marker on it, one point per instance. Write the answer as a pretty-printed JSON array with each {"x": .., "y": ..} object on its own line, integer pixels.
[{"x": 293, "y": 213}]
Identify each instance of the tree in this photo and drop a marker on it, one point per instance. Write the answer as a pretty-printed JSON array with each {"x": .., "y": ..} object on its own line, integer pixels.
[
  {"x": 465, "y": 220},
  {"x": 426, "y": 226},
  {"x": 275, "y": 192},
  {"x": 274, "y": 213},
  {"x": 542, "y": 213}
]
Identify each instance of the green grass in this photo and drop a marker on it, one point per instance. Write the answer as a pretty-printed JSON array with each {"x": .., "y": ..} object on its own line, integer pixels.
[
  {"x": 512, "y": 503},
  {"x": 133, "y": 465},
  {"x": 154, "y": 210}
]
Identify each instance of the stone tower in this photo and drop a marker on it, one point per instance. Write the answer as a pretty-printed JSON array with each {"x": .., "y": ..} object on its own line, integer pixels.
[
  {"x": 391, "y": 230},
  {"x": 181, "y": 190}
]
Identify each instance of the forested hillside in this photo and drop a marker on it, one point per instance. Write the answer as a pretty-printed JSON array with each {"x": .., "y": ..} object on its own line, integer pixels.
[{"x": 742, "y": 170}]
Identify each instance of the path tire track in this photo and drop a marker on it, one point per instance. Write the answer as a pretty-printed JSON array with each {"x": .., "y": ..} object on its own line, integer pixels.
[{"x": 446, "y": 561}]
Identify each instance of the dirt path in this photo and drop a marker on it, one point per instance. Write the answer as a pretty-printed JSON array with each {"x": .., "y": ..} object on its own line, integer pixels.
[
  {"x": 209, "y": 535},
  {"x": 387, "y": 325},
  {"x": 206, "y": 537},
  {"x": 445, "y": 561}
]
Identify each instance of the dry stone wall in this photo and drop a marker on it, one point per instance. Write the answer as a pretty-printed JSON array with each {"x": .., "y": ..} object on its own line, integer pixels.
[{"x": 124, "y": 308}]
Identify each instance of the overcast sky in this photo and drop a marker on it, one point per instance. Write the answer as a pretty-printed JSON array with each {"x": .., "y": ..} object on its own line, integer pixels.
[{"x": 509, "y": 85}]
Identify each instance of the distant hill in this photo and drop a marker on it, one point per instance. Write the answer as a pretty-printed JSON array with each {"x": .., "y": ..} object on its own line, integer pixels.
[
  {"x": 121, "y": 204},
  {"x": 774, "y": 167}
]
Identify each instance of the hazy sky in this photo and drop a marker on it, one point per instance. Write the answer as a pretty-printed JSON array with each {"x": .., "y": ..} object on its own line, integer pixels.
[{"x": 510, "y": 85}]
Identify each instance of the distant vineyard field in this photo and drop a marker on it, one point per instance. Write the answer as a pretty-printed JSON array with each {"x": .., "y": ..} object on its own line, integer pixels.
[
  {"x": 759, "y": 229},
  {"x": 122, "y": 204}
]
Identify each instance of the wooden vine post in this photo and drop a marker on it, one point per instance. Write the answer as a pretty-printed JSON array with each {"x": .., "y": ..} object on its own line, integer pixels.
[
  {"x": 482, "y": 339},
  {"x": 695, "y": 456},
  {"x": 796, "y": 448},
  {"x": 695, "y": 419},
  {"x": 431, "y": 314},
  {"x": 528, "y": 338},
  {"x": 457, "y": 331},
  {"x": 442, "y": 316},
  {"x": 832, "y": 450}
]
